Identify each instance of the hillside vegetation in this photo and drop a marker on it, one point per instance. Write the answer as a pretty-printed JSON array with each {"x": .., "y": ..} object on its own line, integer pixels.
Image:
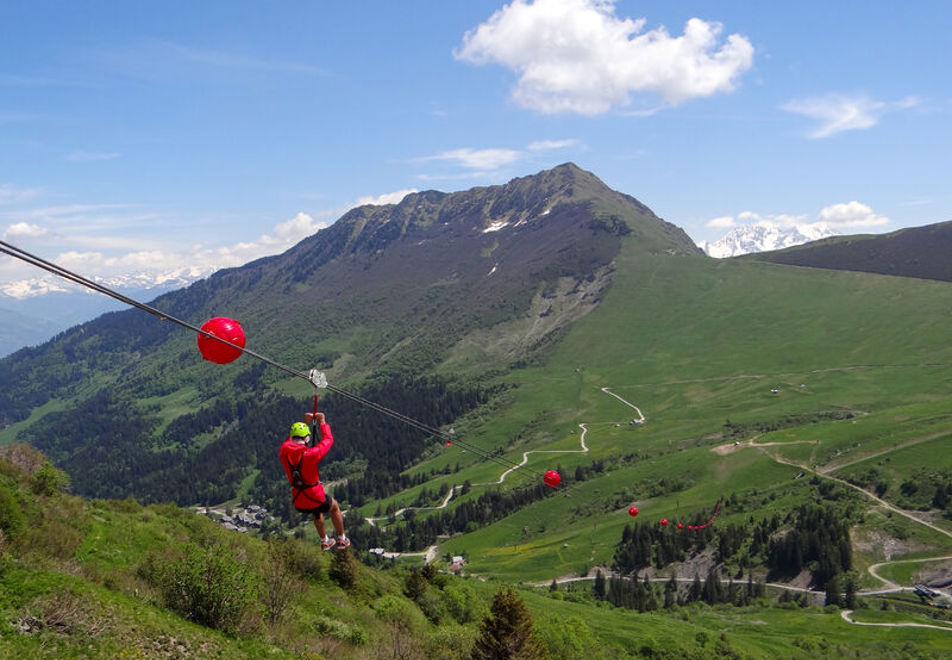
[
  {"x": 115, "y": 579},
  {"x": 803, "y": 412}
]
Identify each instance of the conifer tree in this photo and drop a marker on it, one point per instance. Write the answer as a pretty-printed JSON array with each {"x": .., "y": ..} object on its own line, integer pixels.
[
  {"x": 833, "y": 592},
  {"x": 344, "y": 568},
  {"x": 507, "y": 633},
  {"x": 670, "y": 593},
  {"x": 599, "y": 586}
]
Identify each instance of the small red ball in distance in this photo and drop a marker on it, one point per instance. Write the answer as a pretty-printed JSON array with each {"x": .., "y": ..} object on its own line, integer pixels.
[
  {"x": 216, "y": 351},
  {"x": 632, "y": 511},
  {"x": 552, "y": 478},
  {"x": 664, "y": 522},
  {"x": 680, "y": 525},
  {"x": 448, "y": 443}
]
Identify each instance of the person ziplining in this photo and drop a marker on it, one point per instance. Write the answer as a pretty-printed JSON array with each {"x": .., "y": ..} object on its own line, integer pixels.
[{"x": 300, "y": 461}]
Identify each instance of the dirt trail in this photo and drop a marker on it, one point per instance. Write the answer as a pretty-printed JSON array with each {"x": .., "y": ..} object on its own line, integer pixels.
[{"x": 502, "y": 477}]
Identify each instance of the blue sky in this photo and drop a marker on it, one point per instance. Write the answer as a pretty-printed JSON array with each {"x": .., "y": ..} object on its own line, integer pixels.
[{"x": 162, "y": 137}]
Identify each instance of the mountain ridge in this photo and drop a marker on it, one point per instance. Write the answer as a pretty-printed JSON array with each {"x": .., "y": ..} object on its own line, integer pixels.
[{"x": 921, "y": 252}]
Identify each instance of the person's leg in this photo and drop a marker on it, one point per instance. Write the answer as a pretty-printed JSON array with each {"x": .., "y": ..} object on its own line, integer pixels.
[
  {"x": 319, "y": 524},
  {"x": 337, "y": 518}
]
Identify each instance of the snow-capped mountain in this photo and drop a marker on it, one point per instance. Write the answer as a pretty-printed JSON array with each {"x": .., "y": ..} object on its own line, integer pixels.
[
  {"x": 762, "y": 237},
  {"x": 35, "y": 310}
]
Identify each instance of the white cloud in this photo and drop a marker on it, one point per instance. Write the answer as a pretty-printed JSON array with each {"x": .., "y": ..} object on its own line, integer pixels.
[
  {"x": 478, "y": 159},
  {"x": 721, "y": 222},
  {"x": 24, "y": 230},
  {"x": 10, "y": 194},
  {"x": 168, "y": 60},
  {"x": 297, "y": 227},
  {"x": 335, "y": 212},
  {"x": 110, "y": 259},
  {"x": 852, "y": 214},
  {"x": 835, "y": 217},
  {"x": 386, "y": 198},
  {"x": 91, "y": 156},
  {"x": 547, "y": 145},
  {"x": 232, "y": 60},
  {"x": 772, "y": 220},
  {"x": 578, "y": 56},
  {"x": 840, "y": 112}
]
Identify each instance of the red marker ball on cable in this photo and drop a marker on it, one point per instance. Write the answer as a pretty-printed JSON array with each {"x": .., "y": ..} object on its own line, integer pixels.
[{"x": 216, "y": 351}]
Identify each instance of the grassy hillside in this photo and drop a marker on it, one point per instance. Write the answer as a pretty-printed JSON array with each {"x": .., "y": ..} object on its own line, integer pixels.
[
  {"x": 685, "y": 382},
  {"x": 860, "y": 364},
  {"x": 114, "y": 579}
]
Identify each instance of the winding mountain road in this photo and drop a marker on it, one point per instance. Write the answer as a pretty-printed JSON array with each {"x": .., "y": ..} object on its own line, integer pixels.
[{"x": 502, "y": 477}]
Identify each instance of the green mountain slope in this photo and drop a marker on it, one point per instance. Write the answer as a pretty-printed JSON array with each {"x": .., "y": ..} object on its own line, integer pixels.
[
  {"x": 381, "y": 297},
  {"x": 558, "y": 324},
  {"x": 860, "y": 364},
  {"x": 108, "y": 579}
]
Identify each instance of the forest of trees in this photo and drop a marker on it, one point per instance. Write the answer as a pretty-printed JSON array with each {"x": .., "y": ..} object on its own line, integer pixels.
[
  {"x": 202, "y": 457},
  {"x": 818, "y": 540},
  {"x": 813, "y": 537},
  {"x": 642, "y": 594}
]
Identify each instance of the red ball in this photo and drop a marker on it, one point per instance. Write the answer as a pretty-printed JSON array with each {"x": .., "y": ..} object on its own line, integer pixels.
[
  {"x": 552, "y": 478},
  {"x": 664, "y": 522},
  {"x": 680, "y": 525},
  {"x": 632, "y": 511},
  {"x": 448, "y": 443},
  {"x": 216, "y": 351}
]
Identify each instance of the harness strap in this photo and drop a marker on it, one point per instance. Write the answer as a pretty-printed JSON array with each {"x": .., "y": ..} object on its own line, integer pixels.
[{"x": 296, "y": 479}]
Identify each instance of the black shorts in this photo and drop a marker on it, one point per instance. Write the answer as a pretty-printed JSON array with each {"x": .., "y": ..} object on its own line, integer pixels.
[{"x": 323, "y": 508}]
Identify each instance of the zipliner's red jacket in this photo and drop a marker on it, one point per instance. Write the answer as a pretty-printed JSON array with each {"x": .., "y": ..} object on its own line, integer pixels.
[{"x": 291, "y": 453}]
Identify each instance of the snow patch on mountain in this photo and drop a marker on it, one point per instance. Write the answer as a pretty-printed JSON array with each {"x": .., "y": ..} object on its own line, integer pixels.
[{"x": 763, "y": 237}]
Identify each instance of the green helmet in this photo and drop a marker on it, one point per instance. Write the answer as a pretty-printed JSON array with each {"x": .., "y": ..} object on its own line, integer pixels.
[{"x": 299, "y": 430}]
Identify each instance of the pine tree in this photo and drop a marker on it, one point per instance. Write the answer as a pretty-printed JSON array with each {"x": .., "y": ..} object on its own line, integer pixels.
[
  {"x": 599, "y": 587},
  {"x": 833, "y": 594},
  {"x": 344, "y": 569},
  {"x": 849, "y": 594},
  {"x": 506, "y": 633},
  {"x": 694, "y": 593},
  {"x": 670, "y": 593}
]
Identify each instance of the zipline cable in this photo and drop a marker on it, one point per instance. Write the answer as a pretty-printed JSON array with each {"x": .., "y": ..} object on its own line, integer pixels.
[{"x": 55, "y": 269}]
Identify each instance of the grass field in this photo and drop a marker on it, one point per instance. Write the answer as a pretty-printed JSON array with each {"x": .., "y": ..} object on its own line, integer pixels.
[{"x": 824, "y": 370}]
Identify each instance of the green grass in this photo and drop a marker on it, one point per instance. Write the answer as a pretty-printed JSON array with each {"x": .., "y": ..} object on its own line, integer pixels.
[
  {"x": 8, "y": 435},
  {"x": 908, "y": 571},
  {"x": 755, "y": 632},
  {"x": 694, "y": 343}
]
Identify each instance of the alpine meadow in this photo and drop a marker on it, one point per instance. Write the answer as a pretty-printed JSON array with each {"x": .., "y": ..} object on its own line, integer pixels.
[{"x": 753, "y": 452}]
